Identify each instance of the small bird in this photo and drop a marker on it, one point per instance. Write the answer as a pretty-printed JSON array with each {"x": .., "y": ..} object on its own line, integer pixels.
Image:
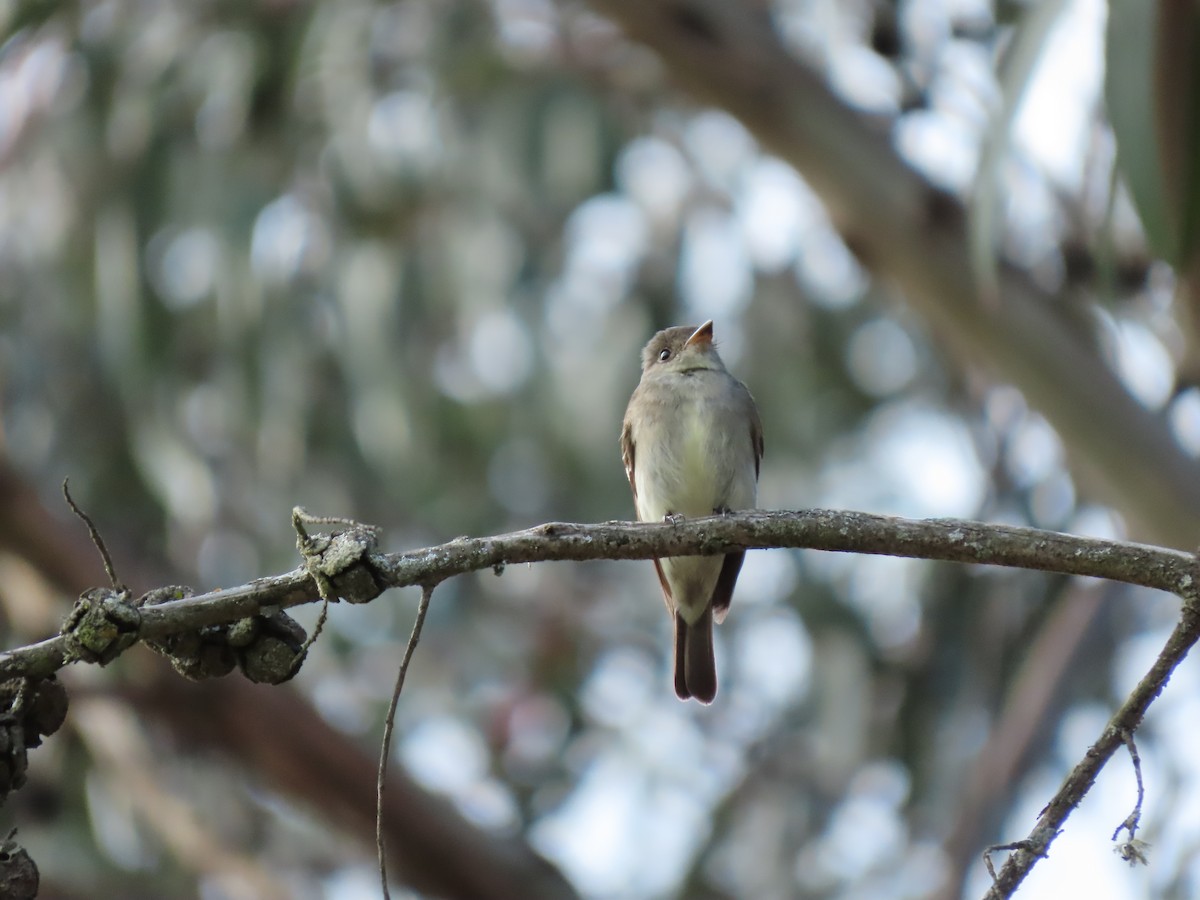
[{"x": 692, "y": 442}]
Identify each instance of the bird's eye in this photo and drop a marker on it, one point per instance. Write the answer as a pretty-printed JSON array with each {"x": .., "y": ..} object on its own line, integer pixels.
[{"x": 664, "y": 355}]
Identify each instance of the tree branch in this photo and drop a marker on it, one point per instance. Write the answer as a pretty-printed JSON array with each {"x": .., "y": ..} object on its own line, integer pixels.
[{"x": 951, "y": 540}]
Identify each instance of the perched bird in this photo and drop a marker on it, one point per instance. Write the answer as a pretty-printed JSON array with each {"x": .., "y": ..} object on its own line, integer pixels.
[{"x": 692, "y": 442}]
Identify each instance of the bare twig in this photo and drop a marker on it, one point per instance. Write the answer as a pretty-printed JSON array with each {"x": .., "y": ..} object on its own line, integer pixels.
[
  {"x": 318, "y": 627},
  {"x": 996, "y": 848},
  {"x": 302, "y": 517},
  {"x": 1133, "y": 850},
  {"x": 304, "y": 543},
  {"x": 389, "y": 722},
  {"x": 96, "y": 539},
  {"x": 1131, "y": 821}
]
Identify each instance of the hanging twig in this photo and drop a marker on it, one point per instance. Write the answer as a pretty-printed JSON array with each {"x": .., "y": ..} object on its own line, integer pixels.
[
  {"x": 389, "y": 722},
  {"x": 1133, "y": 851}
]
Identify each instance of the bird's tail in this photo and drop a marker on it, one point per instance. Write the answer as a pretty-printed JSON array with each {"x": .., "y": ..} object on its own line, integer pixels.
[{"x": 695, "y": 667}]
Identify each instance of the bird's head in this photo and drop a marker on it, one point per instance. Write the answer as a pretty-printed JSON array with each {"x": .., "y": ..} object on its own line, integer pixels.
[{"x": 685, "y": 348}]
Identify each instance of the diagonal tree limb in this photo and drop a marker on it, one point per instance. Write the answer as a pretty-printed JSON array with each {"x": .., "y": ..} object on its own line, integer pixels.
[
  {"x": 913, "y": 235},
  {"x": 1032, "y": 703},
  {"x": 1123, "y": 723}
]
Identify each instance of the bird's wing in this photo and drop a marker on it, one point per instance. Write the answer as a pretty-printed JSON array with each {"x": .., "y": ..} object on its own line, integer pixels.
[
  {"x": 723, "y": 590},
  {"x": 666, "y": 586},
  {"x": 756, "y": 432},
  {"x": 627, "y": 457}
]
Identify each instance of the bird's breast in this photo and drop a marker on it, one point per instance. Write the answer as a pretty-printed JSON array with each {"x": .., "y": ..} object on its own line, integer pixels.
[
  {"x": 693, "y": 459},
  {"x": 697, "y": 466}
]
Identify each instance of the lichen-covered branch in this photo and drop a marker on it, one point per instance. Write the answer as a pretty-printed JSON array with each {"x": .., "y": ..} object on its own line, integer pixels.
[{"x": 951, "y": 540}]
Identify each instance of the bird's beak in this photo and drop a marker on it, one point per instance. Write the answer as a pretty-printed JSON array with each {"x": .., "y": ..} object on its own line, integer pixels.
[{"x": 702, "y": 335}]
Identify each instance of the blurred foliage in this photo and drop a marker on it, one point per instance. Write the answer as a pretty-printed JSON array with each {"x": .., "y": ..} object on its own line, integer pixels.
[{"x": 396, "y": 261}]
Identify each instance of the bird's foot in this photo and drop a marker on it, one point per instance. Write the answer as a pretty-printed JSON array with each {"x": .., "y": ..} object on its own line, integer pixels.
[{"x": 673, "y": 518}]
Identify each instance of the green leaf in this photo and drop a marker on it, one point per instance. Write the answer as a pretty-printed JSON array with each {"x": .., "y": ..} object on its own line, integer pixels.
[{"x": 1129, "y": 94}]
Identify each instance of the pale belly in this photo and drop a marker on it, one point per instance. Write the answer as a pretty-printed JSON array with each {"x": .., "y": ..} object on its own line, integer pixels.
[{"x": 691, "y": 468}]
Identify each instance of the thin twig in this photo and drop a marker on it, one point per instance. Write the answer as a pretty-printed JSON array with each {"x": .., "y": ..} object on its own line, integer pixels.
[
  {"x": 995, "y": 848},
  {"x": 300, "y": 517},
  {"x": 1131, "y": 821},
  {"x": 1133, "y": 850},
  {"x": 389, "y": 723},
  {"x": 96, "y": 539},
  {"x": 302, "y": 654}
]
